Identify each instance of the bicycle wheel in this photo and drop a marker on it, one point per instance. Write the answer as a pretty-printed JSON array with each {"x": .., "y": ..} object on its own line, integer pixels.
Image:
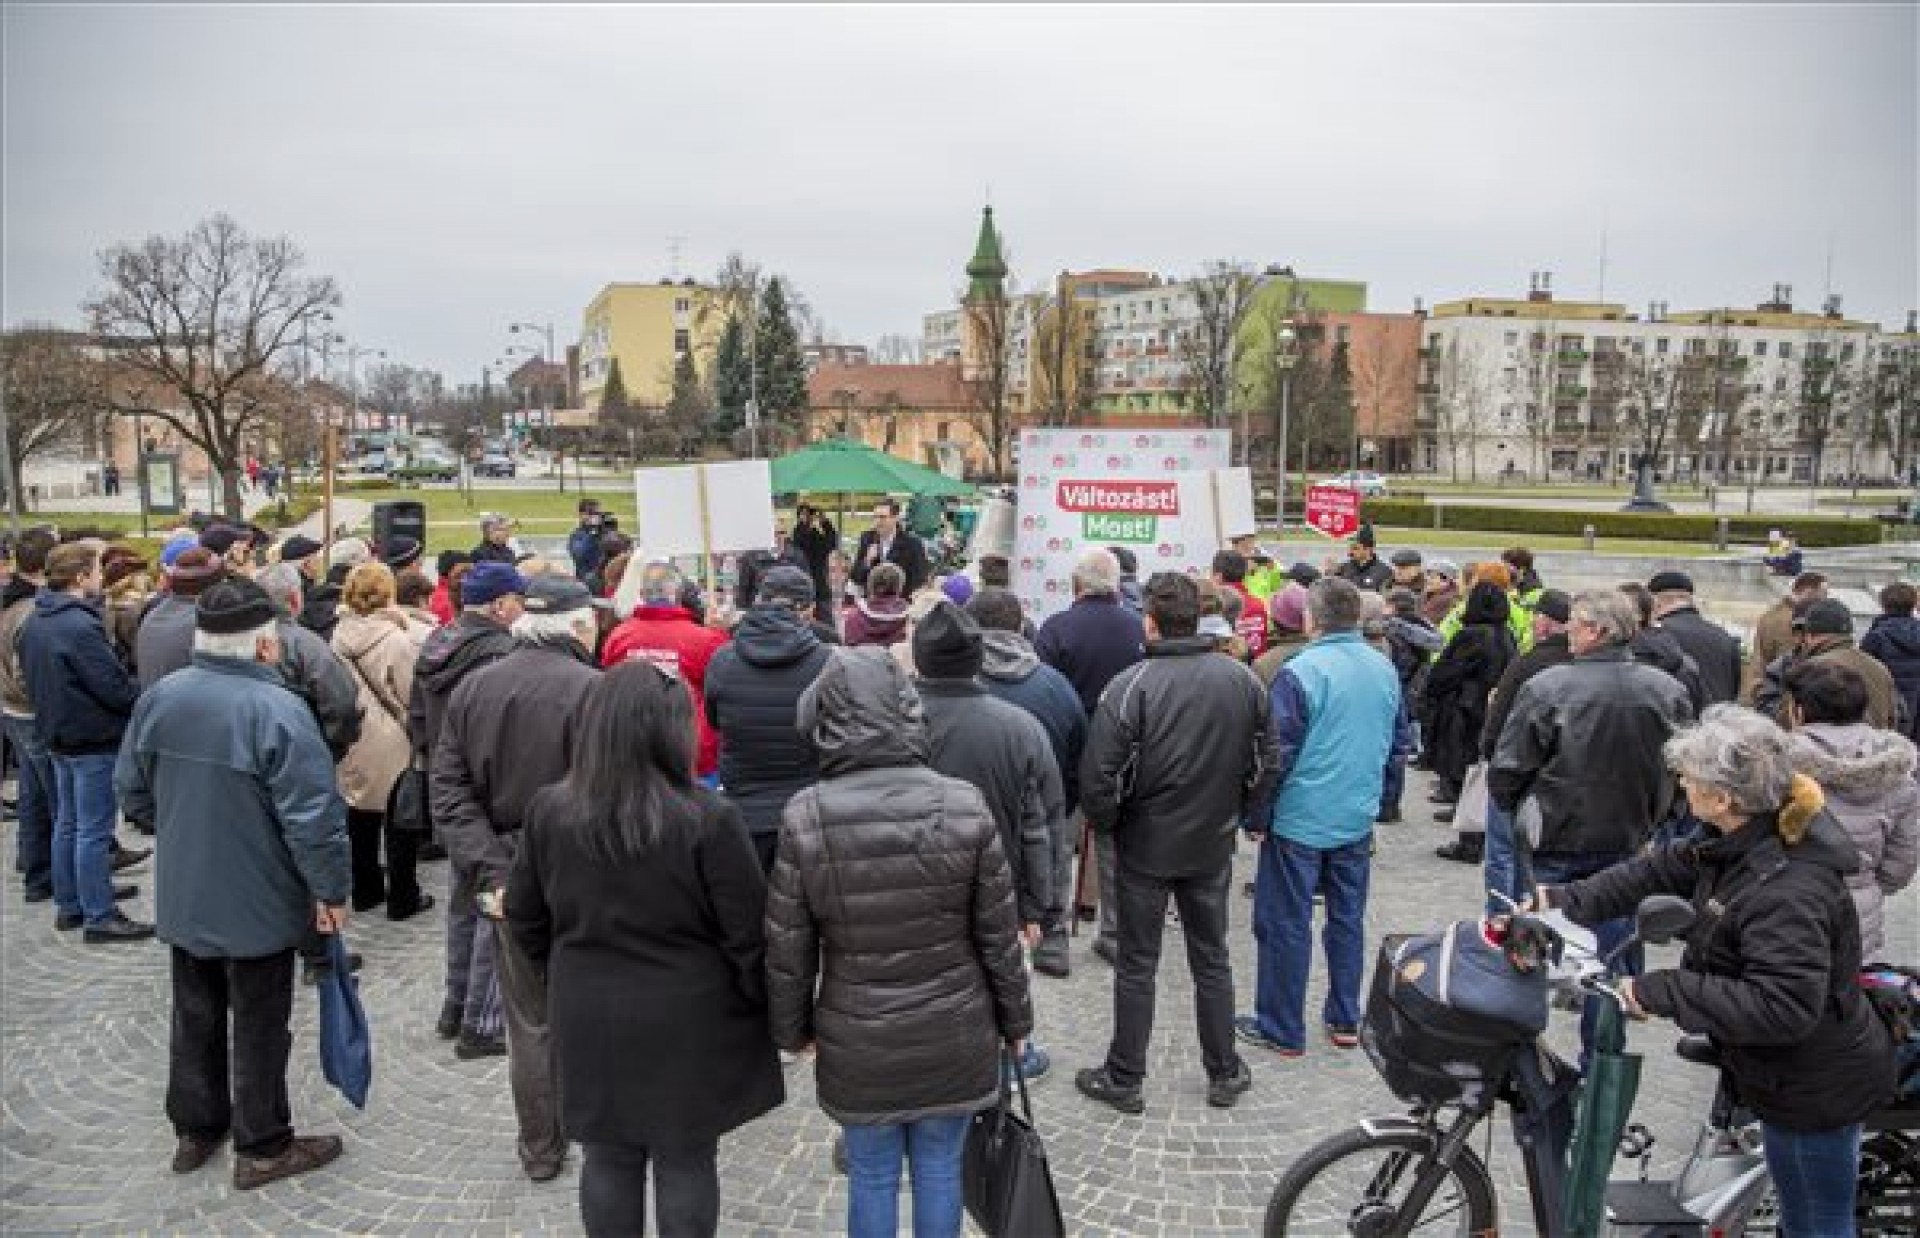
[{"x": 1358, "y": 1181}]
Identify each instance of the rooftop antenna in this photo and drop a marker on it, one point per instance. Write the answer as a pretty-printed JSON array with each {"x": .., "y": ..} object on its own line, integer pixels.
[
  {"x": 674, "y": 245},
  {"x": 1829, "y": 288}
]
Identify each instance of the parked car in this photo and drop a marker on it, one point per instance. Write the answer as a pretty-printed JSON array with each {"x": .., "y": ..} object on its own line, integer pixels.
[
  {"x": 373, "y": 462},
  {"x": 495, "y": 464},
  {"x": 1370, "y": 485},
  {"x": 426, "y": 467}
]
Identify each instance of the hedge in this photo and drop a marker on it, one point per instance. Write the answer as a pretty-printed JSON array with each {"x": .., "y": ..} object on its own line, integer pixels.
[{"x": 1809, "y": 531}]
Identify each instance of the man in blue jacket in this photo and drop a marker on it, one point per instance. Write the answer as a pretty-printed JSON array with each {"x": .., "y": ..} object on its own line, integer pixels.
[
  {"x": 1337, "y": 719},
  {"x": 232, "y": 771},
  {"x": 81, "y": 697}
]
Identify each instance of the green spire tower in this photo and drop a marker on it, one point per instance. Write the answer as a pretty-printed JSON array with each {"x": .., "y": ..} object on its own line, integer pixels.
[{"x": 987, "y": 271}]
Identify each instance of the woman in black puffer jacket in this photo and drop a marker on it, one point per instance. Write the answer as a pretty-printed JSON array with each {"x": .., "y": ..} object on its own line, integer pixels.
[
  {"x": 1771, "y": 969},
  {"x": 1458, "y": 686},
  {"x": 891, "y": 889}
]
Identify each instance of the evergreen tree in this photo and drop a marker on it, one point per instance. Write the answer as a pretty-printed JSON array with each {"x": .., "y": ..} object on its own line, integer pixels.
[
  {"x": 688, "y": 408},
  {"x": 615, "y": 408},
  {"x": 776, "y": 350},
  {"x": 732, "y": 377}
]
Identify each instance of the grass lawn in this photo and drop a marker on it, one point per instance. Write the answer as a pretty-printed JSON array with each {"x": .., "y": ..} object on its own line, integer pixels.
[{"x": 1313, "y": 546}]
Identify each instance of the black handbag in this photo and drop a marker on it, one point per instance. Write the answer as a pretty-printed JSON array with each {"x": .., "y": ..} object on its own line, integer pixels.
[
  {"x": 407, "y": 802},
  {"x": 1006, "y": 1182}
]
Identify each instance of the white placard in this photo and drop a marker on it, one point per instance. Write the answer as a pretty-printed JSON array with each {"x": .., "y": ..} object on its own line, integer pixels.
[
  {"x": 736, "y": 514},
  {"x": 1148, "y": 490}
]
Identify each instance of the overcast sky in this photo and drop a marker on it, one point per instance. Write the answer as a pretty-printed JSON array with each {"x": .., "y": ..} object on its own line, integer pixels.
[{"x": 459, "y": 168}]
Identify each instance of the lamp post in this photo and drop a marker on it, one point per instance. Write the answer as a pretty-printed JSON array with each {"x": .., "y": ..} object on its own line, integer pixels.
[
  {"x": 1285, "y": 353},
  {"x": 545, "y": 332}
]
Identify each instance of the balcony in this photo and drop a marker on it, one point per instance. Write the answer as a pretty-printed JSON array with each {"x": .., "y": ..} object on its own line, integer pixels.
[
  {"x": 1570, "y": 391},
  {"x": 1572, "y": 357},
  {"x": 1428, "y": 387}
]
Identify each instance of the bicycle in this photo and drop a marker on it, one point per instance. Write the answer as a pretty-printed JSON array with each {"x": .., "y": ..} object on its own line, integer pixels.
[{"x": 1416, "y": 1173}]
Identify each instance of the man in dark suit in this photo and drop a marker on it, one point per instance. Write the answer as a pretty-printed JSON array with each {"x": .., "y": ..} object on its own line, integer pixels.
[{"x": 887, "y": 542}]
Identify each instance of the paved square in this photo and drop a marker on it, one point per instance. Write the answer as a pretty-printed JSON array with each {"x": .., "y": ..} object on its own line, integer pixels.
[{"x": 85, "y": 1143}]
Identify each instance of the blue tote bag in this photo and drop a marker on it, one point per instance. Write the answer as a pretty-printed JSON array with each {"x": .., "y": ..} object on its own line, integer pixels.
[{"x": 346, "y": 1045}]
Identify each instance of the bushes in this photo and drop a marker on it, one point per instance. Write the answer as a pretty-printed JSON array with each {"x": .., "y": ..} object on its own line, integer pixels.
[{"x": 1810, "y": 531}]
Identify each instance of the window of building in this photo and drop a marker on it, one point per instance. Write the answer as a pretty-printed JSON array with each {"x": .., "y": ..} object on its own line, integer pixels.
[
  {"x": 682, "y": 341},
  {"x": 1786, "y": 350},
  {"x": 1759, "y": 348},
  {"x": 682, "y": 305},
  {"x": 1661, "y": 345},
  {"x": 1696, "y": 348},
  {"x": 1513, "y": 339},
  {"x": 1846, "y": 352},
  {"x": 943, "y": 429},
  {"x": 1342, "y": 334}
]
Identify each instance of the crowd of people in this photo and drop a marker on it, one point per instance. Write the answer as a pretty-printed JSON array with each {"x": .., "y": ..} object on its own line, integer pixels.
[{"x": 843, "y": 816}]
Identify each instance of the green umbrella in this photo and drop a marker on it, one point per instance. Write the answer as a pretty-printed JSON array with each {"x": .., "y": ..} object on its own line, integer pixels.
[
  {"x": 844, "y": 466},
  {"x": 1606, "y": 1100}
]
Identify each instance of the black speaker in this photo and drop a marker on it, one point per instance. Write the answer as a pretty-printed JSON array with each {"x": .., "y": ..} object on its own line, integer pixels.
[{"x": 397, "y": 519}]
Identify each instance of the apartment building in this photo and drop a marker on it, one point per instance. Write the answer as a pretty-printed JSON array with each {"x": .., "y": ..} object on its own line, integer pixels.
[
  {"x": 645, "y": 327},
  {"x": 1542, "y": 388}
]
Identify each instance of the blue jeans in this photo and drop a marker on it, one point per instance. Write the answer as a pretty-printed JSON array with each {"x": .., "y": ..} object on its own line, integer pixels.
[
  {"x": 1500, "y": 861},
  {"x": 83, "y": 836},
  {"x": 1814, "y": 1174},
  {"x": 934, "y": 1148},
  {"x": 1289, "y": 875},
  {"x": 1561, "y": 867},
  {"x": 34, "y": 854}
]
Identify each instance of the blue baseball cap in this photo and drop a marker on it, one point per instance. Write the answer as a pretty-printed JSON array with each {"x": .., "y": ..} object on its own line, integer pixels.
[{"x": 489, "y": 582}]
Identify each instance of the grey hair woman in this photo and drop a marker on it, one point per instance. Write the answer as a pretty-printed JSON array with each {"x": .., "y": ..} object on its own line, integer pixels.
[{"x": 1771, "y": 969}]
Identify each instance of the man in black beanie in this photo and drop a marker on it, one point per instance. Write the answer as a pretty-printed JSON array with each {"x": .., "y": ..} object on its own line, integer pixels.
[
  {"x": 1003, "y": 751},
  {"x": 231, "y": 770}
]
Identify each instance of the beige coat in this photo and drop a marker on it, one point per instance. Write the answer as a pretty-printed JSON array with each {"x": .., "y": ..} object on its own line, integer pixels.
[{"x": 379, "y": 652}]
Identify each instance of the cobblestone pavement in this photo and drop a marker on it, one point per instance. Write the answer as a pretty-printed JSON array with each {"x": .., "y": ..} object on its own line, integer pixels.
[{"x": 85, "y": 1142}]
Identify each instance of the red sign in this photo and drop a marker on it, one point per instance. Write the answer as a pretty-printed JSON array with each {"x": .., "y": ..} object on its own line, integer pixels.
[
  {"x": 1146, "y": 498},
  {"x": 1333, "y": 511}
]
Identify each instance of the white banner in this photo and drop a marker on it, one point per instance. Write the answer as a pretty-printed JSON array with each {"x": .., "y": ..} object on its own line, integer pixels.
[
  {"x": 737, "y": 514},
  {"x": 1147, "y": 490}
]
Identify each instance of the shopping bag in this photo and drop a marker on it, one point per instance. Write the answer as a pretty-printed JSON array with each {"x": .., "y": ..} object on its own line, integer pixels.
[
  {"x": 1606, "y": 1101},
  {"x": 407, "y": 802},
  {"x": 1006, "y": 1181},
  {"x": 346, "y": 1044},
  {"x": 1470, "y": 814}
]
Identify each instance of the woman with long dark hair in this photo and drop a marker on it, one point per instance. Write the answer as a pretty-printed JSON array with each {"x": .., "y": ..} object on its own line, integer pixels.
[
  {"x": 639, "y": 895},
  {"x": 1458, "y": 687}
]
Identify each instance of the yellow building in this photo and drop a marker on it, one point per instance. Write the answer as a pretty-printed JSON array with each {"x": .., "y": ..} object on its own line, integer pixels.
[{"x": 645, "y": 327}]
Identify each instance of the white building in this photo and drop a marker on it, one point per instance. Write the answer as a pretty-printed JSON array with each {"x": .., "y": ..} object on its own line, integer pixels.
[{"x": 1556, "y": 390}]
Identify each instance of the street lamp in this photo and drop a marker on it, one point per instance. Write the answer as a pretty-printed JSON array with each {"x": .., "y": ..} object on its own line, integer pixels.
[
  {"x": 354, "y": 353},
  {"x": 1286, "y": 351},
  {"x": 545, "y": 332}
]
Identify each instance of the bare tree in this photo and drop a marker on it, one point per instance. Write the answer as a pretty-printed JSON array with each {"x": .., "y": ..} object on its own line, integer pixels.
[
  {"x": 1064, "y": 383},
  {"x": 896, "y": 349},
  {"x": 1459, "y": 391},
  {"x": 55, "y": 395},
  {"x": 1537, "y": 389},
  {"x": 1896, "y": 395},
  {"x": 1652, "y": 397},
  {"x": 990, "y": 407},
  {"x": 201, "y": 319},
  {"x": 1210, "y": 351}
]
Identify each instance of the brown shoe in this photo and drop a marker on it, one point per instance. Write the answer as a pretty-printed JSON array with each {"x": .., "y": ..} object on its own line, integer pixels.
[
  {"x": 304, "y": 1153},
  {"x": 192, "y": 1152}
]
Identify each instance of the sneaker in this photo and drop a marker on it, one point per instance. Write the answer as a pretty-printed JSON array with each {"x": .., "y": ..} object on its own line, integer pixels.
[
  {"x": 1034, "y": 1065},
  {"x": 1098, "y": 1084},
  {"x": 545, "y": 1171},
  {"x": 1051, "y": 957},
  {"x": 447, "y": 1026},
  {"x": 192, "y": 1152},
  {"x": 1247, "y": 1028},
  {"x": 1104, "y": 947},
  {"x": 122, "y": 893},
  {"x": 116, "y": 929},
  {"x": 471, "y": 1046},
  {"x": 1343, "y": 1037},
  {"x": 304, "y": 1153},
  {"x": 1443, "y": 816},
  {"x": 39, "y": 896},
  {"x": 1222, "y": 1093},
  {"x": 67, "y": 921},
  {"x": 127, "y": 857},
  {"x": 425, "y": 904},
  {"x": 1461, "y": 850}
]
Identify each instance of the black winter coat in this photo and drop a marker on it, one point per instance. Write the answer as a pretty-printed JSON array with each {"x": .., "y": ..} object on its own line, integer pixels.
[
  {"x": 752, "y": 699},
  {"x": 1015, "y": 674},
  {"x": 82, "y": 695},
  {"x": 1585, "y": 740},
  {"x": 817, "y": 546},
  {"x": 1656, "y": 647},
  {"x": 1546, "y": 654},
  {"x": 1180, "y": 754},
  {"x": 891, "y": 933},
  {"x": 1463, "y": 678},
  {"x": 1003, "y": 751},
  {"x": 509, "y": 731},
  {"x": 1771, "y": 969},
  {"x": 1090, "y": 642},
  {"x": 655, "y": 974},
  {"x": 1894, "y": 641},
  {"x": 1713, "y": 649},
  {"x": 450, "y": 653}
]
